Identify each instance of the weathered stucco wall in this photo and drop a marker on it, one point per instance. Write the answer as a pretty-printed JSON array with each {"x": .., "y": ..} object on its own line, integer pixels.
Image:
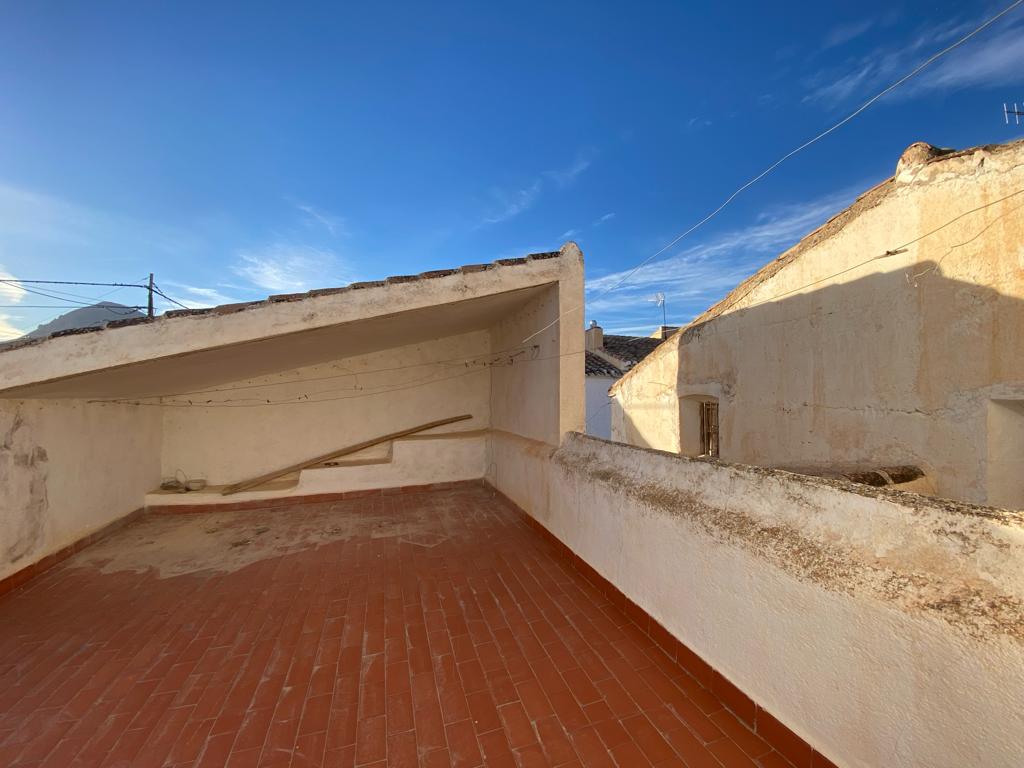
[
  {"x": 330, "y": 406},
  {"x": 883, "y": 338},
  {"x": 645, "y": 408},
  {"x": 541, "y": 396},
  {"x": 67, "y": 469},
  {"x": 866, "y": 621}
]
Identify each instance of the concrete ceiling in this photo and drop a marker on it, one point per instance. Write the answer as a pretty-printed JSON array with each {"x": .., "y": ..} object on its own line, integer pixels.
[{"x": 221, "y": 365}]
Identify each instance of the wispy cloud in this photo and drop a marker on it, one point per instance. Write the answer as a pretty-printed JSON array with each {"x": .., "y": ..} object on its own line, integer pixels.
[
  {"x": 196, "y": 297},
  {"x": 317, "y": 217},
  {"x": 696, "y": 277},
  {"x": 602, "y": 219},
  {"x": 507, "y": 205},
  {"x": 291, "y": 267},
  {"x": 10, "y": 292},
  {"x": 568, "y": 234},
  {"x": 510, "y": 206},
  {"x": 992, "y": 59},
  {"x": 844, "y": 33},
  {"x": 566, "y": 176}
]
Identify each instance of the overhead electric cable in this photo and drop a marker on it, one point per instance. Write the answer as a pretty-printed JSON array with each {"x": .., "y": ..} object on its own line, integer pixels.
[{"x": 913, "y": 73}]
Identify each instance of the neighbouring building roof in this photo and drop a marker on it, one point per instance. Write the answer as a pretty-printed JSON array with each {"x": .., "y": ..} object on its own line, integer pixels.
[
  {"x": 596, "y": 365},
  {"x": 630, "y": 349}
]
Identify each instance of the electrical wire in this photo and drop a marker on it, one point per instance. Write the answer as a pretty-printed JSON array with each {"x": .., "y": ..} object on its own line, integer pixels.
[
  {"x": 156, "y": 289},
  {"x": 895, "y": 251},
  {"x": 470, "y": 360},
  {"x": 507, "y": 357},
  {"x": 913, "y": 73},
  {"x": 60, "y": 306},
  {"x": 301, "y": 400}
]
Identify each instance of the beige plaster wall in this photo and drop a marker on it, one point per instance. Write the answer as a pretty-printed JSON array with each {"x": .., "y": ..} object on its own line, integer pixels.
[
  {"x": 541, "y": 395},
  {"x": 67, "y": 469},
  {"x": 335, "y": 405},
  {"x": 884, "y": 628},
  {"x": 848, "y": 355}
]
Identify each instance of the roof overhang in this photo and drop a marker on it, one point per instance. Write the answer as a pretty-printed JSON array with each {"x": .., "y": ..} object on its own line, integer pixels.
[{"x": 190, "y": 350}]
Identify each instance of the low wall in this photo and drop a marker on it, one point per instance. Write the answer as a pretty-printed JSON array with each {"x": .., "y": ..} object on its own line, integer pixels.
[
  {"x": 416, "y": 462},
  {"x": 67, "y": 470},
  {"x": 883, "y": 628}
]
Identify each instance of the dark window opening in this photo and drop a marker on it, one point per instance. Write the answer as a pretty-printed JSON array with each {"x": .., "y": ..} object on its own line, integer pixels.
[{"x": 709, "y": 428}]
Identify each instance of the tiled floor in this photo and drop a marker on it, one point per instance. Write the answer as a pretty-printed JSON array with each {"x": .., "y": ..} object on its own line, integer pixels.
[{"x": 433, "y": 629}]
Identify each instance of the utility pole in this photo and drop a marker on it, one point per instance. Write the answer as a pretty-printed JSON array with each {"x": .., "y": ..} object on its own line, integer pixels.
[{"x": 150, "y": 313}]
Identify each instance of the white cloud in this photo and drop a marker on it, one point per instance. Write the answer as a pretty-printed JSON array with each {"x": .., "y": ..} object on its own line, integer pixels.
[
  {"x": 507, "y": 206},
  {"x": 512, "y": 205},
  {"x": 10, "y": 292},
  {"x": 567, "y": 176},
  {"x": 313, "y": 216},
  {"x": 697, "y": 276},
  {"x": 568, "y": 234},
  {"x": 994, "y": 58},
  {"x": 601, "y": 220},
  {"x": 288, "y": 267},
  {"x": 8, "y": 330},
  {"x": 844, "y": 33},
  {"x": 196, "y": 297}
]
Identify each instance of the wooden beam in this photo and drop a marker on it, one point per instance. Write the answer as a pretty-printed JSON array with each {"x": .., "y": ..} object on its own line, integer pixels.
[{"x": 246, "y": 484}]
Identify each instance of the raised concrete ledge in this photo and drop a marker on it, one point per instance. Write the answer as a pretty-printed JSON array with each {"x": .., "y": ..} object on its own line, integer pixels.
[
  {"x": 965, "y": 561},
  {"x": 853, "y": 615}
]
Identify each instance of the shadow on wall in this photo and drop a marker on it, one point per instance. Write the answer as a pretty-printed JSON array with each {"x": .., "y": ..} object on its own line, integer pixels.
[{"x": 904, "y": 367}]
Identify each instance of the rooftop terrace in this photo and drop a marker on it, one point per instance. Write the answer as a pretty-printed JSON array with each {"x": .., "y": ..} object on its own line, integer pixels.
[{"x": 433, "y": 628}]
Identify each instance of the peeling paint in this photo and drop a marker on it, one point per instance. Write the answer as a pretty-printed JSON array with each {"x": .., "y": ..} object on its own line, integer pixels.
[{"x": 24, "y": 467}]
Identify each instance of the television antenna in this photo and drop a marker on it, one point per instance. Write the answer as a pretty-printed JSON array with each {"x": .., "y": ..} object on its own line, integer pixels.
[
  {"x": 1016, "y": 112},
  {"x": 659, "y": 300}
]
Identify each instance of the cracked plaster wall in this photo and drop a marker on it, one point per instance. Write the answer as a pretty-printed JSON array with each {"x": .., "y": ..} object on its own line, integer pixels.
[{"x": 68, "y": 469}]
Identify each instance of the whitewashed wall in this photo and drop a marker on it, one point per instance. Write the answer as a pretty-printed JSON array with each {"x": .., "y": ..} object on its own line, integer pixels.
[{"x": 884, "y": 628}]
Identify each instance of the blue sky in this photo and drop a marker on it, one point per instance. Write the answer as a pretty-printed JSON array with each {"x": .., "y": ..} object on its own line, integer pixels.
[{"x": 299, "y": 145}]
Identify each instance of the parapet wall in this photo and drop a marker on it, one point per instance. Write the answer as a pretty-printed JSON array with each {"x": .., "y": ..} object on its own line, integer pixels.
[{"x": 884, "y": 628}]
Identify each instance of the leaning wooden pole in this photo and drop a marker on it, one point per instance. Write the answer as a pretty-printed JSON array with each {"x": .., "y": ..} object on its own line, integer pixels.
[{"x": 253, "y": 482}]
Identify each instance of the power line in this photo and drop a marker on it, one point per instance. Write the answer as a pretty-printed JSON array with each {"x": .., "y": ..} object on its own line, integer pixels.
[
  {"x": 913, "y": 73},
  {"x": 156, "y": 289},
  {"x": 300, "y": 400},
  {"x": 500, "y": 358},
  {"x": 79, "y": 282},
  {"x": 893, "y": 251},
  {"x": 465, "y": 361},
  {"x": 62, "y": 306}
]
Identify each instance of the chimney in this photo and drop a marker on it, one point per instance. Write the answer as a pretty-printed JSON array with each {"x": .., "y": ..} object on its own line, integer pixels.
[
  {"x": 664, "y": 331},
  {"x": 594, "y": 336}
]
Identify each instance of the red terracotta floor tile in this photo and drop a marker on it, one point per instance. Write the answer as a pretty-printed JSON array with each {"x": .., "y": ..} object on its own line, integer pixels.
[{"x": 432, "y": 629}]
